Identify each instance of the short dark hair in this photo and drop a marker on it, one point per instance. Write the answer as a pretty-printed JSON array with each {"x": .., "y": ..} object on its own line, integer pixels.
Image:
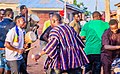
[
  {"x": 75, "y": 13},
  {"x": 58, "y": 17},
  {"x": 17, "y": 17},
  {"x": 8, "y": 11},
  {"x": 96, "y": 13},
  {"x": 2, "y": 10},
  {"x": 22, "y": 7},
  {"x": 113, "y": 22},
  {"x": 51, "y": 14}
]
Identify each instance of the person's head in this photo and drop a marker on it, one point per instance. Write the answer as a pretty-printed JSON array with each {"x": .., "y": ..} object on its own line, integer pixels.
[
  {"x": 51, "y": 14},
  {"x": 34, "y": 19},
  {"x": 20, "y": 21},
  {"x": 76, "y": 16},
  {"x": 113, "y": 25},
  {"x": 9, "y": 13},
  {"x": 96, "y": 15},
  {"x": 80, "y": 15},
  {"x": 56, "y": 20},
  {"x": 2, "y": 14},
  {"x": 23, "y": 10}
]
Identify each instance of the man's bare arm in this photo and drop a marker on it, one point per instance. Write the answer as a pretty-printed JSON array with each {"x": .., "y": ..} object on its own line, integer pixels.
[
  {"x": 9, "y": 46},
  {"x": 110, "y": 47}
]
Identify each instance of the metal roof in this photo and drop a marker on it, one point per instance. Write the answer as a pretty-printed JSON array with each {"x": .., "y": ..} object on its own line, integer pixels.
[
  {"x": 118, "y": 4},
  {"x": 9, "y": 1},
  {"x": 71, "y": 6},
  {"x": 43, "y": 4}
]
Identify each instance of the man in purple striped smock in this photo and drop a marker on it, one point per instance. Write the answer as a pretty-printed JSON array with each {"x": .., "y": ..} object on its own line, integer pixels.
[{"x": 64, "y": 49}]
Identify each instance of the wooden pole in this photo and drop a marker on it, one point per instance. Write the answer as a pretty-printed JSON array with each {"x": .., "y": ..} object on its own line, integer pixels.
[{"x": 107, "y": 10}]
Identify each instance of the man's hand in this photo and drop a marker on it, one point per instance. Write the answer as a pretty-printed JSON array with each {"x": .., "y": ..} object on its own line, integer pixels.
[
  {"x": 20, "y": 51},
  {"x": 35, "y": 57},
  {"x": 25, "y": 46}
]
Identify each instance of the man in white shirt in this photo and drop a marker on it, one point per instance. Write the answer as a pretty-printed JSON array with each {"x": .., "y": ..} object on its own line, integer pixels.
[{"x": 14, "y": 47}]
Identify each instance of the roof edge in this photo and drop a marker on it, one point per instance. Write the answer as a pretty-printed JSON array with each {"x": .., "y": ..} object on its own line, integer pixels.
[{"x": 118, "y": 4}]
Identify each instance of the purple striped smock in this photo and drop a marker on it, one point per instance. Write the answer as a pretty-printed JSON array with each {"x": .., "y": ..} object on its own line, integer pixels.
[{"x": 64, "y": 49}]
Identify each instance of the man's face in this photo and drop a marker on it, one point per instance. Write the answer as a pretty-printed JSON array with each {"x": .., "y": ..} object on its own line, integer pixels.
[
  {"x": 114, "y": 28},
  {"x": 24, "y": 11},
  {"x": 77, "y": 18},
  {"x": 54, "y": 21},
  {"x": 22, "y": 22},
  {"x": 2, "y": 14},
  {"x": 96, "y": 17}
]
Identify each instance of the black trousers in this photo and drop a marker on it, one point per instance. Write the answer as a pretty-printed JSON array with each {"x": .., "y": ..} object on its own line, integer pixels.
[
  {"x": 25, "y": 54},
  {"x": 94, "y": 65}
]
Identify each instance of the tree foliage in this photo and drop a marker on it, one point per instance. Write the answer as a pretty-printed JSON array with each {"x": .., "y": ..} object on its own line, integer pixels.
[
  {"x": 75, "y": 2},
  {"x": 83, "y": 7}
]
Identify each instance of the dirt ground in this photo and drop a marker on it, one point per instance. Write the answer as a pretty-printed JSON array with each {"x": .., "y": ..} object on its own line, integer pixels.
[{"x": 37, "y": 67}]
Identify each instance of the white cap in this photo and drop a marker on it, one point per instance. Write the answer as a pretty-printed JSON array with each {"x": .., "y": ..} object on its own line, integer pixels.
[{"x": 35, "y": 17}]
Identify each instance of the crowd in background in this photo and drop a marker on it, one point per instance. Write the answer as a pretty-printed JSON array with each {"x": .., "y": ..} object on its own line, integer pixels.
[{"x": 70, "y": 46}]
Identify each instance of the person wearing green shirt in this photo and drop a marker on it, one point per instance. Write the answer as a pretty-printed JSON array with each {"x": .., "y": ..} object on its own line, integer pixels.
[{"x": 92, "y": 32}]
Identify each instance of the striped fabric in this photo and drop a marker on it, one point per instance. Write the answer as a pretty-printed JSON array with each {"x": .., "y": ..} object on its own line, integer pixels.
[{"x": 64, "y": 49}]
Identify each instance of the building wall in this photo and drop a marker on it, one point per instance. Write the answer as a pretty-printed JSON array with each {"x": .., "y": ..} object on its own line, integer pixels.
[{"x": 44, "y": 16}]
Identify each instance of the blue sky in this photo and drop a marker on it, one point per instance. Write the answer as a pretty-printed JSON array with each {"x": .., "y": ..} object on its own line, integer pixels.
[{"x": 91, "y": 4}]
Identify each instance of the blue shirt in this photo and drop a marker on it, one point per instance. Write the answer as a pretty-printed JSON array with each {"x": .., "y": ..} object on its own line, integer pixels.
[{"x": 5, "y": 26}]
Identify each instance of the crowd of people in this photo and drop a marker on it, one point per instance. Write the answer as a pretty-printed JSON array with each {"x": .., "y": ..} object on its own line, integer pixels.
[
  {"x": 13, "y": 45},
  {"x": 101, "y": 44},
  {"x": 69, "y": 46}
]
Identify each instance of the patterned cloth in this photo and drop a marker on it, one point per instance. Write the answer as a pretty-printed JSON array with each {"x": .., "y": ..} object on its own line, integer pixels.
[
  {"x": 65, "y": 49},
  {"x": 116, "y": 66}
]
